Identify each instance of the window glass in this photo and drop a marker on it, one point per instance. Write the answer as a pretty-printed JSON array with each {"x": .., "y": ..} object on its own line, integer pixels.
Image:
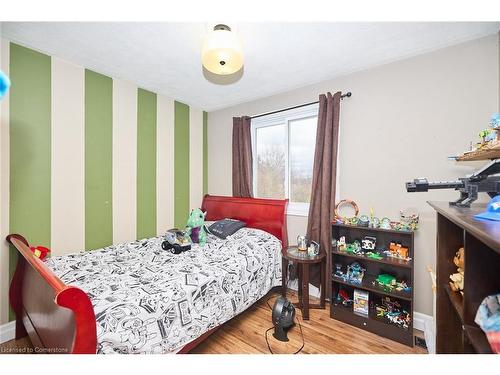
[
  {"x": 301, "y": 153},
  {"x": 271, "y": 161},
  {"x": 283, "y": 155}
]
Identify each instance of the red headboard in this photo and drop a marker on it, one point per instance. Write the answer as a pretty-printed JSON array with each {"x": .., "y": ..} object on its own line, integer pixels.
[{"x": 265, "y": 214}]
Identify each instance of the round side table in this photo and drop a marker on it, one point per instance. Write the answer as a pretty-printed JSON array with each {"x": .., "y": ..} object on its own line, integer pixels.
[{"x": 303, "y": 260}]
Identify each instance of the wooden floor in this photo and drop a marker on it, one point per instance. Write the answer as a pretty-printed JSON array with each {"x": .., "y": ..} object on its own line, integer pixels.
[
  {"x": 245, "y": 334},
  {"x": 322, "y": 335}
]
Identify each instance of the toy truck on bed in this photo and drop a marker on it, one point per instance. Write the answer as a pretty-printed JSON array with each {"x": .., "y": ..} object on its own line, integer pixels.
[{"x": 176, "y": 241}]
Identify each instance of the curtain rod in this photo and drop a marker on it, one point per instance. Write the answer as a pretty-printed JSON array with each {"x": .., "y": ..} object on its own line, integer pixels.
[{"x": 346, "y": 95}]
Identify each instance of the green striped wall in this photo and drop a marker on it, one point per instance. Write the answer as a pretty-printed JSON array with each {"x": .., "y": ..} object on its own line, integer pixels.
[
  {"x": 205, "y": 152},
  {"x": 98, "y": 160},
  {"x": 146, "y": 164},
  {"x": 30, "y": 145},
  {"x": 181, "y": 164},
  {"x": 32, "y": 203}
]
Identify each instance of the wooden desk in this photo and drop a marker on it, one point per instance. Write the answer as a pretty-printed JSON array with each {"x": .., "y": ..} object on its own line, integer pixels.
[{"x": 456, "y": 331}]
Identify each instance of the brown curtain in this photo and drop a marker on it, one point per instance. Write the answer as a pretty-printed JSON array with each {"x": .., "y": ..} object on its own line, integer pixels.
[
  {"x": 242, "y": 157},
  {"x": 319, "y": 225}
]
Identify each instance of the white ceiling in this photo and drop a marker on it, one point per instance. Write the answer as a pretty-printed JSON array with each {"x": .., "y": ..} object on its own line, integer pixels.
[{"x": 165, "y": 57}]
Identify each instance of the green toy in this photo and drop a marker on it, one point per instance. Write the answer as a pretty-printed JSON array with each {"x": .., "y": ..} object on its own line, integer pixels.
[
  {"x": 196, "y": 226},
  {"x": 354, "y": 248},
  {"x": 374, "y": 255},
  {"x": 386, "y": 280}
]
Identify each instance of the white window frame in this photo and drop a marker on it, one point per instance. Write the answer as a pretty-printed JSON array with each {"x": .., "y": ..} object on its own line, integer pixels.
[{"x": 285, "y": 117}]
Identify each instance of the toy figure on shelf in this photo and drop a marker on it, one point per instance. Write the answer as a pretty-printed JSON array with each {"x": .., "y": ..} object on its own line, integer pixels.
[
  {"x": 385, "y": 223},
  {"x": 490, "y": 136},
  {"x": 353, "y": 221},
  {"x": 488, "y": 147},
  {"x": 354, "y": 248},
  {"x": 408, "y": 220},
  {"x": 355, "y": 273},
  {"x": 389, "y": 283},
  {"x": 373, "y": 255},
  {"x": 403, "y": 286},
  {"x": 385, "y": 280},
  {"x": 399, "y": 318},
  {"x": 338, "y": 270},
  {"x": 343, "y": 297},
  {"x": 341, "y": 245},
  {"x": 363, "y": 221},
  {"x": 495, "y": 121},
  {"x": 386, "y": 306},
  {"x": 392, "y": 311},
  {"x": 396, "y": 250},
  {"x": 457, "y": 279},
  {"x": 374, "y": 221},
  {"x": 368, "y": 243}
]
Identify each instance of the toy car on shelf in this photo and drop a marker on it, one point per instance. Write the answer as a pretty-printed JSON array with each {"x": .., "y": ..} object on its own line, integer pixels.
[{"x": 176, "y": 241}]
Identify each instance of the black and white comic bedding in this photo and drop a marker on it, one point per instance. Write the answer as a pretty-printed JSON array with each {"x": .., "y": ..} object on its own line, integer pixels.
[{"x": 148, "y": 300}]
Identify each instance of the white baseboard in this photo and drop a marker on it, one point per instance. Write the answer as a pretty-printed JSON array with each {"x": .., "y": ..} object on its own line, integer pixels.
[
  {"x": 7, "y": 332},
  {"x": 420, "y": 320},
  {"x": 426, "y": 324},
  {"x": 294, "y": 285}
]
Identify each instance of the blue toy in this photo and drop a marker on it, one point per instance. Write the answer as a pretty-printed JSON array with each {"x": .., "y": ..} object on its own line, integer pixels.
[
  {"x": 490, "y": 134},
  {"x": 492, "y": 210},
  {"x": 355, "y": 273},
  {"x": 488, "y": 318},
  {"x": 495, "y": 120},
  {"x": 4, "y": 84}
]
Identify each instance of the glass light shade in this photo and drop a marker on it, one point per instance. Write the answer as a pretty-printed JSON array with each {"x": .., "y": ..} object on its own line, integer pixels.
[{"x": 222, "y": 53}]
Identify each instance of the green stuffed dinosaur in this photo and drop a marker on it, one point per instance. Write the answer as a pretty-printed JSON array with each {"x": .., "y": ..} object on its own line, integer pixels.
[{"x": 196, "y": 227}]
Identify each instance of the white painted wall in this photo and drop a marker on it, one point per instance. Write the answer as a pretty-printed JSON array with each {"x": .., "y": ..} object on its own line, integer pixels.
[
  {"x": 164, "y": 164},
  {"x": 402, "y": 122},
  {"x": 68, "y": 158},
  {"x": 195, "y": 157},
  {"x": 124, "y": 161}
]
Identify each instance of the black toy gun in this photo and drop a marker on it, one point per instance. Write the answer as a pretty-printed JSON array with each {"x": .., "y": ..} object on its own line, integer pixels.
[{"x": 485, "y": 180}]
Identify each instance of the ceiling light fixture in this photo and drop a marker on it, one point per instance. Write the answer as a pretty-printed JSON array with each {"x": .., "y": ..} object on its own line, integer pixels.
[{"x": 222, "y": 53}]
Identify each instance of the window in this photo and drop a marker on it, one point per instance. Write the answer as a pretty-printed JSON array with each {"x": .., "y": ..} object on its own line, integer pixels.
[{"x": 283, "y": 148}]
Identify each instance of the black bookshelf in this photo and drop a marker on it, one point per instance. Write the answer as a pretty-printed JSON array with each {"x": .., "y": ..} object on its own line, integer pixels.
[{"x": 400, "y": 268}]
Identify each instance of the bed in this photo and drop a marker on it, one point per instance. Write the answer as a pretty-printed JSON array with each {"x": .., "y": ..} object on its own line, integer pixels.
[{"x": 137, "y": 298}]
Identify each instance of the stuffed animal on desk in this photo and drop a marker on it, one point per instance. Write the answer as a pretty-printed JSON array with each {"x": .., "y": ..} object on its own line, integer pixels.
[
  {"x": 196, "y": 226},
  {"x": 457, "y": 279}
]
